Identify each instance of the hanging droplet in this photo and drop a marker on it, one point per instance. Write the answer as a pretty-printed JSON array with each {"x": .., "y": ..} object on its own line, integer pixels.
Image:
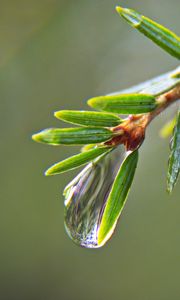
[{"x": 86, "y": 195}]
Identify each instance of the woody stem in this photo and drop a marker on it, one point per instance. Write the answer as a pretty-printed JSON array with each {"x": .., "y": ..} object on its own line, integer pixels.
[
  {"x": 164, "y": 100},
  {"x": 131, "y": 132}
]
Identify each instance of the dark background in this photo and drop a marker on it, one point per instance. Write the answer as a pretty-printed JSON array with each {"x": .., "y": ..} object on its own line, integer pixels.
[{"x": 54, "y": 55}]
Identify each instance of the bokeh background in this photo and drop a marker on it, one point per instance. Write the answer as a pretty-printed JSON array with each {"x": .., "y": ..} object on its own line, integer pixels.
[{"x": 55, "y": 54}]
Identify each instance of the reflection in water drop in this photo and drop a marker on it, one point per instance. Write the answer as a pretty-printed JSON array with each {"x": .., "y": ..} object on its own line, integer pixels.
[{"x": 86, "y": 195}]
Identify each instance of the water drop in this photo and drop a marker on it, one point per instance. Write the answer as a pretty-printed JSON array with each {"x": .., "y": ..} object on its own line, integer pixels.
[{"x": 86, "y": 195}]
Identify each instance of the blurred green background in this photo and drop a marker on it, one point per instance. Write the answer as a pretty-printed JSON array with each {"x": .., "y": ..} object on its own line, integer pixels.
[{"x": 55, "y": 54}]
